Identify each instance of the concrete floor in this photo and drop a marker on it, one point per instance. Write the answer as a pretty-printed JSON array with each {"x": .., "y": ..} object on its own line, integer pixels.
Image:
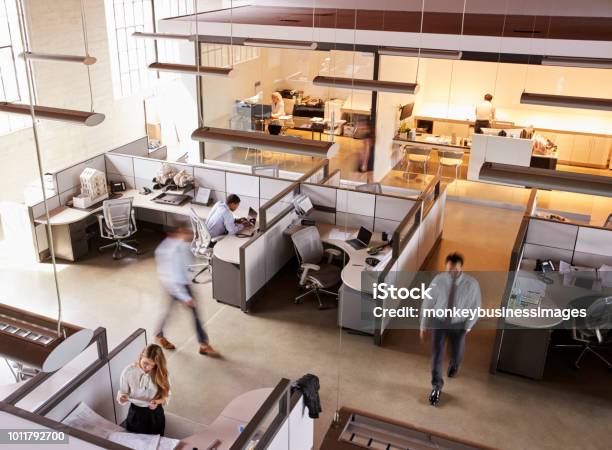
[{"x": 568, "y": 409}]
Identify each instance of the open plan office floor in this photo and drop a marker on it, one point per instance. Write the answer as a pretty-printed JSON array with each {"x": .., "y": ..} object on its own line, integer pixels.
[{"x": 282, "y": 339}]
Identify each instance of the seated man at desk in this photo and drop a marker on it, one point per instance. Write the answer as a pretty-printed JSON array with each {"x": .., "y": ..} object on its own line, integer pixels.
[{"x": 221, "y": 218}]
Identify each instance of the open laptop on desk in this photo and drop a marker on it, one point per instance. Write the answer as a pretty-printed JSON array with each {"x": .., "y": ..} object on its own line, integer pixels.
[
  {"x": 362, "y": 240},
  {"x": 250, "y": 229}
]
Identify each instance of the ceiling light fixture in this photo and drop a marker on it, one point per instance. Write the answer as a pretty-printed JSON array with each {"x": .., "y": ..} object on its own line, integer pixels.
[
  {"x": 259, "y": 140},
  {"x": 87, "y": 118},
  {"x": 422, "y": 53},
  {"x": 366, "y": 85},
  {"x": 31, "y": 339},
  {"x": 277, "y": 43},
  {"x": 87, "y": 60},
  {"x": 566, "y": 101},
  {"x": 568, "y": 61},
  {"x": 170, "y": 36},
  {"x": 191, "y": 69},
  {"x": 547, "y": 179}
]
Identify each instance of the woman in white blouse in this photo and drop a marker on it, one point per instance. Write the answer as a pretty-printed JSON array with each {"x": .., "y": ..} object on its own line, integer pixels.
[
  {"x": 278, "y": 105},
  {"x": 145, "y": 385}
]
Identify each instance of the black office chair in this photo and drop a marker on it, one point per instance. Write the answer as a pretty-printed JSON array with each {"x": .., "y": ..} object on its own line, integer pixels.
[
  {"x": 592, "y": 333},
  {"x": 316, "y": 275}
]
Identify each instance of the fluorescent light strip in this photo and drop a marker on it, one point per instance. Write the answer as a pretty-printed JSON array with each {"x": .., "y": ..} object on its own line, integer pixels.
[
  {"x": 191, "y": 69},
  {"x": 89, "y": 119},
  {"x": 274, "y": 43},
  {"x": 170, "y": 36},
  {"x": 87, "y": 60},
  {"x": 547, "y": 179},
  {"x": 259, "y": 140},
  {"x": 566, "y": 101},
  {"x": 568, "y": 61},
  {"x": 366, "y": 85},
  {"x": 422, "y": 53}
]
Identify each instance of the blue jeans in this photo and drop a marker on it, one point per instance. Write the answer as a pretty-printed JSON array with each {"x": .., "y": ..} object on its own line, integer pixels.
[{"x": 200, "y": 333}]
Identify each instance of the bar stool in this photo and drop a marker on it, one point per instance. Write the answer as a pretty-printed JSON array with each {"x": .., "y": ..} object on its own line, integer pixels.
[
  {"x": 447, "y": 158},
  {"x": 416, "y": 155}
]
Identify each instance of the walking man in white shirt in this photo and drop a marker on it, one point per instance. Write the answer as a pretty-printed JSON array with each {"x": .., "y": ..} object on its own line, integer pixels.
[
  {"x": 450, "y": 290},
  {"x": 221, "y": 219},
  {"x": 485, "y": 113},
  {"x": 173, "y": 257}
]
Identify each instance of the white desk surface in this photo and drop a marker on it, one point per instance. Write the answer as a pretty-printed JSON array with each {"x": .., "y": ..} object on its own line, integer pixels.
[
  {"x": 351, "y": 273},
  {"x": 556, "y": 296},
  {"x": 226, "y": 427},
  {"x": 227, "y": 249},
  {"x": 357, "y": 105}
]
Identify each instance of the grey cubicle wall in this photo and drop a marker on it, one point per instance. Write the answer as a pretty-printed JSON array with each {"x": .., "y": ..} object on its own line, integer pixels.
[
  {"x": 415, "y": 239},
  {"x": 263, "y": 256},
  {"x": 540, "y": 238}
]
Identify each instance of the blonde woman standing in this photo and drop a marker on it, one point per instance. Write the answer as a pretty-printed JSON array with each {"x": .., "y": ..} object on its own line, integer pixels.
[{"x": 146, "y": 386}]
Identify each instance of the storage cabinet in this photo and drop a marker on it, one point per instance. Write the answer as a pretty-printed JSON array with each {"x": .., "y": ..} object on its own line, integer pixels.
[
  {"x": 600, "y": 151},
  {"x": 564, "y": 142},
  {"x": 581, "y": 149}
]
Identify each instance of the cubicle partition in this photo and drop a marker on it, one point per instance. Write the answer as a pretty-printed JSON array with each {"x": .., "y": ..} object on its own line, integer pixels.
[
  {"x": 136, "y": 167},
  {"x": 414, "y": 240},
  {"x": 85, "y": 408},
  {"x": 281, "y": 423},
  {"x": 585, "y": 247}
]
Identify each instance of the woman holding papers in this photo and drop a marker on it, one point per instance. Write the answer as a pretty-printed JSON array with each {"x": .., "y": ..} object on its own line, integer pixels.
[{"x": 145, "y": 385}]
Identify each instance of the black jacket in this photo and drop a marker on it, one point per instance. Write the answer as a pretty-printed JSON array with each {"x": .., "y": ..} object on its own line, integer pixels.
[{"x": 308, "y": 385}]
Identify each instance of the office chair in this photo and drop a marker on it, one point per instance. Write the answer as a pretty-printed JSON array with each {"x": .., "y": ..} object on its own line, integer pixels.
[
  {"x": 201, "y": 246},
  {"x": 376, "y": 188},
  {"x": 316, "y": 275},
  {"x": 593, "y": 331},
  {"x": 118, "y": 222},
  {"x": 450, "y": 159}
]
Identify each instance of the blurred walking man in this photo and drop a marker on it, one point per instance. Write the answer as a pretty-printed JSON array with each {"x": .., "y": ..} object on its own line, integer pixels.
[
  {"x": 451, "y": 290},
  {"x": 173, "y": 257}
]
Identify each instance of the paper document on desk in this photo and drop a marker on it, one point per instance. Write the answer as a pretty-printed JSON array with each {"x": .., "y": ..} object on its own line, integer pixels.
[
  {"x": 84, "y": 418},
  {"x": 135, "y": 440},
  {"x": 532, "y": 290},
  {"x": 339, "y": 235}
]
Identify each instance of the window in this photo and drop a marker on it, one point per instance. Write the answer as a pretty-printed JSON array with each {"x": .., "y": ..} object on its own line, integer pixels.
[
  {"x": 13, "y": 80},
  {"x": 130, "y": 57}
]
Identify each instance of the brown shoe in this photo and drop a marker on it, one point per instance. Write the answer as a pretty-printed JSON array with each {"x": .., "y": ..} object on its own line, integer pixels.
[
  {"x": 165, "y": 343},
  {"x": 206, "y": 349}
]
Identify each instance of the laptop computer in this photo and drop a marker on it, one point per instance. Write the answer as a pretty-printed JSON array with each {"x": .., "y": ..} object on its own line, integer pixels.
[{"x": 362, "y": 240}]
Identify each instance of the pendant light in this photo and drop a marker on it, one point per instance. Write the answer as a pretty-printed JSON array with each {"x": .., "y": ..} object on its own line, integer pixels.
[
  {"x": 191, "y": 69},
  {"x": 259, "y": 140},
  {"x": 420, "y": 52},
  {"x": 279, "y": 43},
  {"x": 86, "y": 60},
  {"x": 582, "y": 183},
  {"x": 366, "y": 85},
  {"x": 567, "y": 101}
]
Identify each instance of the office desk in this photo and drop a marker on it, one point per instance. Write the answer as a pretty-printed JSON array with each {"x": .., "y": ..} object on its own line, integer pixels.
[
  {"x": 226, "y": 427},
  {"x": 352, "y": 294},
  {"x": 525, "y": 341},
  {"x": 68, "y": 225}
]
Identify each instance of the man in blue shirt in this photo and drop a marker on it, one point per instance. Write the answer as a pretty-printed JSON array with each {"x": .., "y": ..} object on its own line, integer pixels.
[{"x": 221, "y": 218}]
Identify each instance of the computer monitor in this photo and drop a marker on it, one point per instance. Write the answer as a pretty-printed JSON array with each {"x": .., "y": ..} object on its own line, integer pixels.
[
  {"x": 260, "y": 111},
  {"x": 406, "y": 111},
  {"x": 303, "y": 205}
]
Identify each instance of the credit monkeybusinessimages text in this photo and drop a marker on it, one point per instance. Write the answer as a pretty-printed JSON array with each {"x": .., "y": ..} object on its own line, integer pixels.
[{"x": 385, "y": 291}]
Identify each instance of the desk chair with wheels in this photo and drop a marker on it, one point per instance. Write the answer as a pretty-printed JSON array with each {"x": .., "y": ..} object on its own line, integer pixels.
[
  {"x": 118, "y": 223},
  {"x": 201, "y": 245},
  {"x": 450, "y": 159},
  {"x": 592, "y": 333},
  {"x": 416, "y": 155},
  {"x": 316, "y": 275},
  {"x": 376, "y": 188}
]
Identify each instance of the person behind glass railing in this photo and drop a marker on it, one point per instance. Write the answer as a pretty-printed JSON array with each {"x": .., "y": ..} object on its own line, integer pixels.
[
  {"x": 278, "y": 105},
  {"x": 485, "y": 113},
  {"x": 145, "y": 385}
]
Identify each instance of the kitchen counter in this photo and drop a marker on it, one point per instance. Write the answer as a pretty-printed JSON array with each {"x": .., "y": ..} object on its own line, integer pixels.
[{"x": 430, "y": 140}]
